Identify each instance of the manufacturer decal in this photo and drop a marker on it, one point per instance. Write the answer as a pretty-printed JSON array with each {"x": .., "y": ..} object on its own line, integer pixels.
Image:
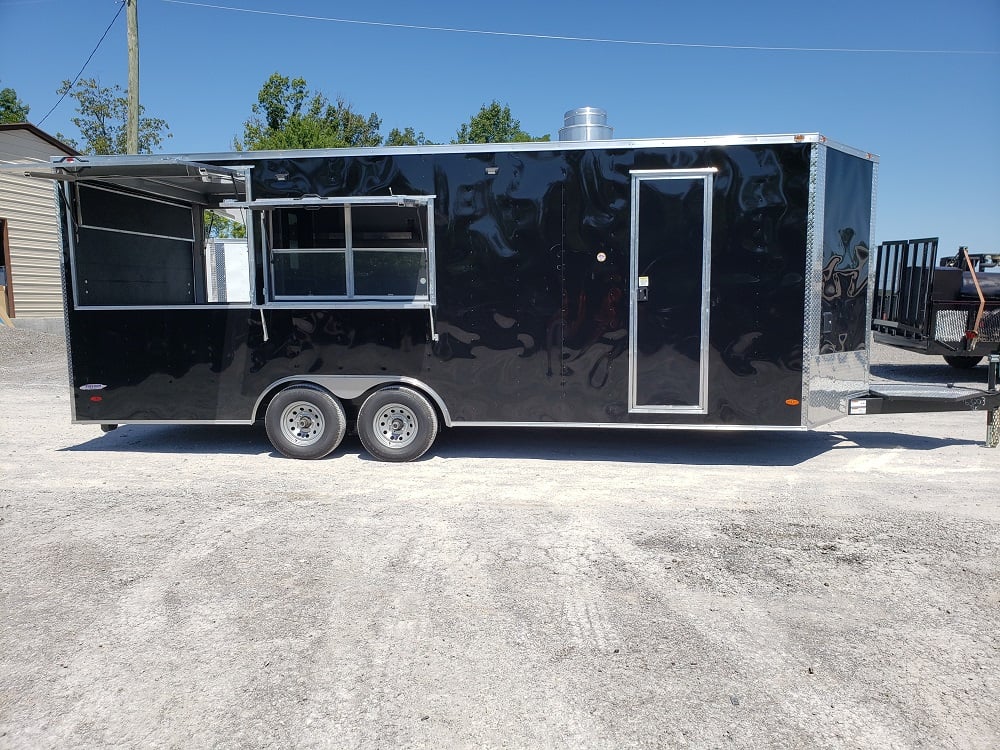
[{"x": 93, "y": 387}]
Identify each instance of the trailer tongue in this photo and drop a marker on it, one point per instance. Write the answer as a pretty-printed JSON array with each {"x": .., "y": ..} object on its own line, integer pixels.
[{"x": 903, "y": 398}]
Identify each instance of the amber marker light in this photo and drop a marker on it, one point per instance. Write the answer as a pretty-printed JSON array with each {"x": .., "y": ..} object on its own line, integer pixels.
[{"x": 791, "y": 402}]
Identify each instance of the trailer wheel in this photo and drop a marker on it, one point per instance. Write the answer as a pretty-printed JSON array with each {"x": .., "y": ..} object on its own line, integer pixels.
[
  {"x": 397, "y": 424},
  {"x": 304, "y": 422},
  {"x": 960, "y": 362}
]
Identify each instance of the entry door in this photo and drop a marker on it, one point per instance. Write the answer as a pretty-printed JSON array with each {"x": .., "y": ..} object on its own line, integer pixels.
[{"x": 670, "y": 274}]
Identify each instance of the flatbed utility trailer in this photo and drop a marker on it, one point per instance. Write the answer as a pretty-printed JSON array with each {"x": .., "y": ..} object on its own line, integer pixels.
[
  {"x": 949, "y": 308},
  {"x": 701, "y": 283}
]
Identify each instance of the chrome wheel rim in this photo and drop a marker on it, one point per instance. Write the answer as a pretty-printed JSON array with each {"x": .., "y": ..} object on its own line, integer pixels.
[
  {"x": 395, "y": 426},
  {"x": 302, "y": 423}
]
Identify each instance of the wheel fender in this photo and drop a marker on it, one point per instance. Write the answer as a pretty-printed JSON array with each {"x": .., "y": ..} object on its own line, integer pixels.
[{"x": 352, "y": 387}]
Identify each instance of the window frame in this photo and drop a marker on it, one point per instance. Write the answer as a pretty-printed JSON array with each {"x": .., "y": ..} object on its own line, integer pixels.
[
  {"x": 262, "y": 220},
  {"x": 196, "y": 254},
  {"x": 190, "y": 186}
]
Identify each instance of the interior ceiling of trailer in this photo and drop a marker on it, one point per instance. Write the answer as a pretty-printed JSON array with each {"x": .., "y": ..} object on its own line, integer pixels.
[{"x": 187, "y": 181}]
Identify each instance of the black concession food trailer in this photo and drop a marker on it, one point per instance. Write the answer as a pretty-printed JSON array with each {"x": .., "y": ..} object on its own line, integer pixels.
[{"x": 698, "y": 283}]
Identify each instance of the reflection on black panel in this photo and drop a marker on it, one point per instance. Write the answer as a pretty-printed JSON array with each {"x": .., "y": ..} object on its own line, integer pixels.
[{"x": 847, "y": 219}]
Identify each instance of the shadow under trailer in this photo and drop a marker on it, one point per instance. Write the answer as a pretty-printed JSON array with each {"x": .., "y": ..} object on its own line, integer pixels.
[{"x": 703, "y": 283}]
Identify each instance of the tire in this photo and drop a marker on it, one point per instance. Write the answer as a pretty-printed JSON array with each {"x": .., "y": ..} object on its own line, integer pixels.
[
  {"x": 397, "y": 424},
  {"x": 305, "y": 422},
  {"x": 962, "y": 362}
]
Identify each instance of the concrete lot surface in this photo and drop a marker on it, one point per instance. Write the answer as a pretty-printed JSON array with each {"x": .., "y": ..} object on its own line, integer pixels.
[{"x": 187, "y": 587}]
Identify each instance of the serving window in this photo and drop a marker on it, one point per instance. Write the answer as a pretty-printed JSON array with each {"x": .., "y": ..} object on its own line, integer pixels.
[
  {"x": 134, "y": 231},
  {"x": 134, "y": 250},
  {"x": 351, "y": 250}
]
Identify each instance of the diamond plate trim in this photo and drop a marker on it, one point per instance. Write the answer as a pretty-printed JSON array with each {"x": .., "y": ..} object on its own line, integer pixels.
[
  {"x": 871, "y": 254},
  {"x": 813, "y": 287},
  {"x": 828, "y": 380},
  {"x": 920, "y": 391}
]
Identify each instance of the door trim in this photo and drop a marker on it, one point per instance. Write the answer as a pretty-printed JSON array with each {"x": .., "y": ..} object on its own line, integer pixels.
[{"x": 706, "y": 175}]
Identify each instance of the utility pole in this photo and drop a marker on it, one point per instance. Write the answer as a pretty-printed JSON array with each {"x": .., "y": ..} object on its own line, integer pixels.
[{"x": 132, "y": 126}]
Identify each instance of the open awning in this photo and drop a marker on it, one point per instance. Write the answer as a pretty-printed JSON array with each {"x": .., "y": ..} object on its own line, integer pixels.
[{"x": 189, "y": 181}]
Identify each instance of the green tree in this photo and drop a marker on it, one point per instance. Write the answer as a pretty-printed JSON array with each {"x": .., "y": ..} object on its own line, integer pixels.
[
  {"x": 219, "y": 225},
  {"x": 406, "y": 138},
  {"x": 289, "y": 115},
  {"x": 494, "y": 124},
  {"x": 103, "y": 114},
  {"x": 12, "y": 109}
]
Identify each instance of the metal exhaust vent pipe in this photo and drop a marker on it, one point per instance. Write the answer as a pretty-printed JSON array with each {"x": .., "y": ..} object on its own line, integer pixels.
[{"x": 586, "y": 124}]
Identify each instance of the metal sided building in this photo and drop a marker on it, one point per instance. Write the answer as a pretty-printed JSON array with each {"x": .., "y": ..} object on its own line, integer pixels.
[
  {"x": 707, "y": 283},
  {"x": 29, "y": 231}
]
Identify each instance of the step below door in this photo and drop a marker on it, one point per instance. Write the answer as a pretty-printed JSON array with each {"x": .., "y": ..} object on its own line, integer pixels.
[{"x": 670, "y": 274}]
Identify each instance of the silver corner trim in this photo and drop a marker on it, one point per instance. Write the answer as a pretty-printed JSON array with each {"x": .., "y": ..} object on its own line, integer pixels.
[{"x": 837, "y": 146}]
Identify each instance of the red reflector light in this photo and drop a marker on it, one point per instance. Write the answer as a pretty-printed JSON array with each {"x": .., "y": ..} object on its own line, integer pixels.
[{"x": 95, "y": 399}]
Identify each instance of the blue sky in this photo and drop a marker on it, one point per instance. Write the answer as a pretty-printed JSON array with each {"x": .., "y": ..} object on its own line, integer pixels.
[{"x": 933, "y": 118}]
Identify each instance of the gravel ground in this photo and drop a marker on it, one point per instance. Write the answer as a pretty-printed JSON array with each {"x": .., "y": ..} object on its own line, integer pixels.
[{"x": 187, "y": 587}]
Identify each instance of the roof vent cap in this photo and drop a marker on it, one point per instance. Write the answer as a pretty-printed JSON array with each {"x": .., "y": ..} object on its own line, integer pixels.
[{"x": 586, "y": 124}]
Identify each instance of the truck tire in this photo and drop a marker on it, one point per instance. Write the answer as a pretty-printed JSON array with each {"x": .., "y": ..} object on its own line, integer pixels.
[
  {"x": 960, "y": 362},
  {"x": 305, "y": 422},
  {"x": 397, "y": 424}
]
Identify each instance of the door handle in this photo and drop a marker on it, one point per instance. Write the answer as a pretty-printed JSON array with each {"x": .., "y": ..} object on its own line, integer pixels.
[{"x": 643, "y": 290}]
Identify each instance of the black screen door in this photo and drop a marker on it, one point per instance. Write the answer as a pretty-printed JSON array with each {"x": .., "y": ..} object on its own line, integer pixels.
[{"x": 670, "y": 274}]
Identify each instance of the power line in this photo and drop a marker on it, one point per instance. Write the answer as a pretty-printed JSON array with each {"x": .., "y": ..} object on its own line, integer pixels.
[
  {"x": 596, "y": 40},
  {"x": 100, "y": 41}
]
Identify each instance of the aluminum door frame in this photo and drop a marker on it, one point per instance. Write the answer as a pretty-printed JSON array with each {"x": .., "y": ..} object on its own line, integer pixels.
[{"x": 706, "y": 175}]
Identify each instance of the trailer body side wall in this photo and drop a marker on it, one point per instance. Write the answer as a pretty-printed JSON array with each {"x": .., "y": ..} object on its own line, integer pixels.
[{"x": 702, "y": 285}]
